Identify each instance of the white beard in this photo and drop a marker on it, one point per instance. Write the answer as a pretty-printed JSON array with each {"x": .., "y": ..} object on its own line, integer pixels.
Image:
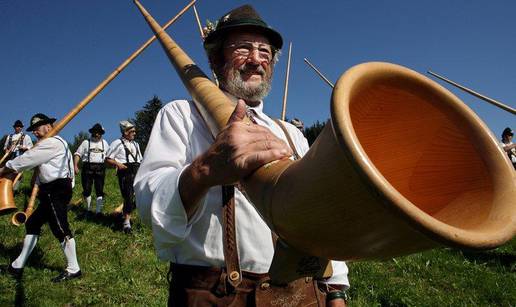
[{"x": 235, "y": 85}]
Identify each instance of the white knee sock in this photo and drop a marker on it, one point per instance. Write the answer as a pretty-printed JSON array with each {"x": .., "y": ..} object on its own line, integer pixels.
[
  {"x": 28, "y": 245},
  {"x": 127, "y": 222},
  {"x": 88, "y": 202},
  {"x": 100, "y": 203},
  {"x": 71, "y": 255}
]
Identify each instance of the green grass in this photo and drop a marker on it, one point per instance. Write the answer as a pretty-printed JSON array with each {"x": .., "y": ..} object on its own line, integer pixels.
[
  {"x": 118, "y": 269},
  {"x": 121, "y": 270}
]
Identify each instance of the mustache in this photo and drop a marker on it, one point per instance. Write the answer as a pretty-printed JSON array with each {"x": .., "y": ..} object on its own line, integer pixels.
[{"x": 247, "y": 68}]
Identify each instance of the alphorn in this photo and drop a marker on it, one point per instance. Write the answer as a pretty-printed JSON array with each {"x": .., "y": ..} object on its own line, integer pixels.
[
  {"x": 492, "y": 101},
  {"x": 444, "y": 180},
  {"x": 20, "y": 217},
  {"x": 7, "y": 153},
  {"x": 7, "y": 204},
  {"x": 320, "y": 74},
  {"x": 285, "y": 91}
]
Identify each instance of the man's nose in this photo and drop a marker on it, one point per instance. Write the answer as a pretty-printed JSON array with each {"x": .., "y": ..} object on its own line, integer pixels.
[{"x": 254, "y": 57}]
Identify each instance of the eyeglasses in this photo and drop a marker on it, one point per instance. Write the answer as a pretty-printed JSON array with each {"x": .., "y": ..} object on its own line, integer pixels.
[{"x": 245, "y": 48}]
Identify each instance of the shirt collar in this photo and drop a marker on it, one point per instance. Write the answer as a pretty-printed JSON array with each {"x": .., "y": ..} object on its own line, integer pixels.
[{"x": 258, "y": 109}]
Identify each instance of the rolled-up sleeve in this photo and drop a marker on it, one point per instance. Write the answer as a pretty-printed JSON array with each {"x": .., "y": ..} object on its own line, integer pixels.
[{"x": 156, "y": 184}]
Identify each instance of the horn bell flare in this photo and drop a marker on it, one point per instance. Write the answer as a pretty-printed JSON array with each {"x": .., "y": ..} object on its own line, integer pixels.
[
  {"x": 7, "y": 204},
  {"x": 403, "y": 166}
]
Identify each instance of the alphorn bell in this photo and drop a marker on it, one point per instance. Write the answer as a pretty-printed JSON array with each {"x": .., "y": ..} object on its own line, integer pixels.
[
  {"x": 20, "y": 217},
  {"x": 7, "y": 204},
  {"x": 402, "y": 166}
]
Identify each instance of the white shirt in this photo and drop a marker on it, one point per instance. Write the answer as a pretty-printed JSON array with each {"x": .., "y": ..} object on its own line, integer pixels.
[
  {"x": 96, "y": 152},
  {"x": 13, "y": 139},
  {"x": 179, "y": 135},
  {"x": 117, "y": 152},
  {"x": 51, "y": 155},
  {"x": 513, "y": 151}
]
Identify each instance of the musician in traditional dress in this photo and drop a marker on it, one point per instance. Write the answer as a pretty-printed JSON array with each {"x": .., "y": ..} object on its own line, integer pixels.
[
  {"x": 298, "y": 124},
  {"x": 55, "y": 180},
  {"x": 125, "y": 155},
  {"x": 18, "y": 142},
  {"x": 184, "y": 185},
  {"x": 15, "y": 145},
  {"x": 508, "y": 146},
  {"x": 92, "y": 152}
]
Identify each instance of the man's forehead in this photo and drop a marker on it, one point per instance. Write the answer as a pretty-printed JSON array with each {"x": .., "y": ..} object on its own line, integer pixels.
[{"x": 236, "y": 36}]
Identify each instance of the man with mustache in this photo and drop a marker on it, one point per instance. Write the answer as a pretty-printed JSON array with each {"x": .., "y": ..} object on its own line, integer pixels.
[{"x": 219, "y": 247}]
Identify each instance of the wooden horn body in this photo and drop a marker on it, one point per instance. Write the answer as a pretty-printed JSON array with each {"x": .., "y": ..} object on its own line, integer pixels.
[
  {"x": 20, "y": 217},
  {"x": 402, "y": 166},
  {"x": 7, "y": 204}
]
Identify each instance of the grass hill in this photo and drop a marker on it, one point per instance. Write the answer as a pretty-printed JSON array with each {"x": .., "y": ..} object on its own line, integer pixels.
[{"x": 122, "y": 270}]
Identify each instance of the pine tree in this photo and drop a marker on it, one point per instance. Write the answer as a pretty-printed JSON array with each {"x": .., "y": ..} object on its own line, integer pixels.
[
  {"x": 144, "y": 120},
  {"x": 77, "y": 140},
  {"x": 312, "y": 132}
]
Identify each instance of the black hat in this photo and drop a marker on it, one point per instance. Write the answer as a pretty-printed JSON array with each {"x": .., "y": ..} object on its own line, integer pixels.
[
  {"x": 243, "y": 17},
  {"x": 97, "y": 128},
  {"x": 38, "y": 120},
  {"x": 17, "y": 123},
  {"x": 507, "y": 131}
]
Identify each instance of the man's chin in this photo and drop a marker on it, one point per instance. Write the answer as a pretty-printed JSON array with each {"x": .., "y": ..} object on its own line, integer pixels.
[{"x": 253, "y": 82}]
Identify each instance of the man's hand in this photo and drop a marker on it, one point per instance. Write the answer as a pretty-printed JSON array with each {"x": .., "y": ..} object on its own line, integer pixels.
[
  {"x": 76, "y": 169},
  {"x": 120, "y": 166},
  {"x": 239, "y": 149}
]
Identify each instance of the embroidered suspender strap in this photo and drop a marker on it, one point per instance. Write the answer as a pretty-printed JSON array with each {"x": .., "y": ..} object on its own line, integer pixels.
[
  {"x": 229, "y": 243},
  {"x": 128, "y": 152},
  {"x": 102, "y": 155},
  {"x": 68, "y": 154},
  {"x": 289, "y": 139},
  {"x": 89, "y": 150},
  {"x": 231, "y": 259}
]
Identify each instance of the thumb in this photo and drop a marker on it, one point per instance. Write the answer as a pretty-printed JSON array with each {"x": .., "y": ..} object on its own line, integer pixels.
[{"x": 239, "y": 112}]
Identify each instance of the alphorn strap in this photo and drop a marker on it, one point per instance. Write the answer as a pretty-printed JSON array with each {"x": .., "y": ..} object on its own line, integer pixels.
[
  {"x": 289, "y": 139},
  {"x": 229, "y": 241},
  {"x": 230, "y": 245}
]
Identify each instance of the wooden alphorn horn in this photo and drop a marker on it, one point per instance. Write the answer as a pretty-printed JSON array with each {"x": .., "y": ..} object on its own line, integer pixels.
[
  {"x": 20, "y": 217},
  {"x": 6, "y": 154},
  {"x": 402, "y": 166},
  {"x": 7, "y": 204}
]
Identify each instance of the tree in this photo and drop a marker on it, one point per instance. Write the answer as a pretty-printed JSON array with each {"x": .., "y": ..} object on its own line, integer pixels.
[
  {"x": 313, "y": 131},
  {"x": 144, "y": 120},
  {"x": 77, "y": 140}
]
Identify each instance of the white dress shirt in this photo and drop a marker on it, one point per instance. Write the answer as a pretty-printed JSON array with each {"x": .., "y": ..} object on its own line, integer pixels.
[
  {"x": 180, "y": 135},
  {"x": 97, "y": 151},
  {"x": 513, "y": 151},
  {"x": 13, "y": 139},
  {"x": 117, "y": 152},
  {"x": 51, "y": 155}
]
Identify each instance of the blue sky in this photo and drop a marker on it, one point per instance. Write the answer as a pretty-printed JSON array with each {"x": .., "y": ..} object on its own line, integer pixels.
[{"x": 54, "y": 52}]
